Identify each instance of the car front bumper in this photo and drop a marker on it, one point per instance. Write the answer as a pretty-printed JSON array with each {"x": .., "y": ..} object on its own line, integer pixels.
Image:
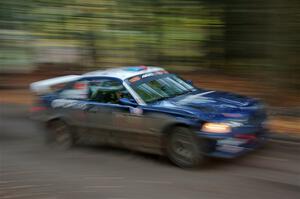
[{"x": 234, "y": 145}]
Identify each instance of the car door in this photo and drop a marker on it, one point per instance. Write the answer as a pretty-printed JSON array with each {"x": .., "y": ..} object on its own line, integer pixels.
[
  {"x": 99, "y": 117},
  {"x": 112, "y": 122},
  {"x": 100, "y": 110},
  {"x": 138, "y": 128}
]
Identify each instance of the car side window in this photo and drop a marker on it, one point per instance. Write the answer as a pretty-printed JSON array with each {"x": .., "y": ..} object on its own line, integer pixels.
[
  {"x": 107, "y": 91},
  {"x": 76, "y": 90}
]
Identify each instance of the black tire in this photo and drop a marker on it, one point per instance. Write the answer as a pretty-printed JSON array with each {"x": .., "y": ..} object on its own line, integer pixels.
[
  {"x": 183, "y": 149},
  {"x": 59, "y": 135}
]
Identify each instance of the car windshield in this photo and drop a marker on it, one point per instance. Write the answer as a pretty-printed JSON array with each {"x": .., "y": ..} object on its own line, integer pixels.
[{"x": 161, "y": 87}]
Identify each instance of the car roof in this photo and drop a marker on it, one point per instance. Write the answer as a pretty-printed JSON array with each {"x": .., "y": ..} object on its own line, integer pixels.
[
  {"x": 121, "y": 73},
  {"x": 124, "y": 72},
  {"x": 43, "y": 86}
]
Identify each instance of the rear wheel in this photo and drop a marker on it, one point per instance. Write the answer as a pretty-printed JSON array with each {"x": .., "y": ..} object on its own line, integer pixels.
[
  {"x": 60, "y": 135},
  {"x": 183, "y": 149}
]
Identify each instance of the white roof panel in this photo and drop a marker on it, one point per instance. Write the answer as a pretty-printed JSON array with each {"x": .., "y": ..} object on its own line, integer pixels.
[
  {"x": 124, "y": 72},
  {"x": 121, "y": 73},
  {"x": 44, "y": 85}
]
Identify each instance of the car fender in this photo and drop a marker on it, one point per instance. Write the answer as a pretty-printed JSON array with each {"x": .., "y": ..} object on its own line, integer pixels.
[{"x": 178, "y": 122}]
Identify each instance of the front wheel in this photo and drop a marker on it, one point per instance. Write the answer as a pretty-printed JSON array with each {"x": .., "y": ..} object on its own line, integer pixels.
[{"x": 183, "y": 149}]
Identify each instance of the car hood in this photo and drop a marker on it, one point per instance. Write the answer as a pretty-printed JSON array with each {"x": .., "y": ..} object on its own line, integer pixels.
[{"x": 212, "y": 104}]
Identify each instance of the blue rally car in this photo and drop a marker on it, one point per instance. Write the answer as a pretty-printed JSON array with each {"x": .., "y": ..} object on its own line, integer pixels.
[{"x": 148, "y": 109}]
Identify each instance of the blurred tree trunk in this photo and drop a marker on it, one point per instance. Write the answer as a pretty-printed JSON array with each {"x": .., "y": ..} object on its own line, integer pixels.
[
  {"x": 92, "y": 47},
  {"x": 262, "y": 37}
]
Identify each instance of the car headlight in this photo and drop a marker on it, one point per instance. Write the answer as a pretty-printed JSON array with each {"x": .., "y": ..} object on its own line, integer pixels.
[{"x": 216, "y": 128}]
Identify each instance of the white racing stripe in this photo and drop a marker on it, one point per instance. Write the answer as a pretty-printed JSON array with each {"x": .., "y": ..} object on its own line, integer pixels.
[{"x": 206, "y": 93}]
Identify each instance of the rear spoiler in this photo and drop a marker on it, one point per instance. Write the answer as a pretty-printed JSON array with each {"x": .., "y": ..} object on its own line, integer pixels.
[{"x": 45, "y": 86}]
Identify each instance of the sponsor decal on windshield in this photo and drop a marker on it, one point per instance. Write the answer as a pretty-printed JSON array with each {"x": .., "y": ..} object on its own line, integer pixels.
[
  {"x": 134, "y": 79},
  {"x": 139, "y": 77},
  {"x": 147, "y": 75}
]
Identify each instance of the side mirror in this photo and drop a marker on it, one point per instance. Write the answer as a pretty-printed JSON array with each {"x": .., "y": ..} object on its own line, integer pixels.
[
  {"x": 189, "y": 82},
  {"x": 126, "y": 101}
]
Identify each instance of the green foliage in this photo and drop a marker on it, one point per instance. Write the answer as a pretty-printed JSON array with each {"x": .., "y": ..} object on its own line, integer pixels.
[
  {"x": 244, "y": 37},
  {"x": 116, "y": 32}
]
